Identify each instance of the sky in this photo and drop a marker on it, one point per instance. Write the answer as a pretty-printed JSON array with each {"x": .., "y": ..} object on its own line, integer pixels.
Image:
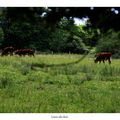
[{"x": 80, "y": 21}]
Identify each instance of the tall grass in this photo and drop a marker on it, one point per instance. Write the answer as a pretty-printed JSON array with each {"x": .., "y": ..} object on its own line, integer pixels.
[{"x": 48, "y": 83}]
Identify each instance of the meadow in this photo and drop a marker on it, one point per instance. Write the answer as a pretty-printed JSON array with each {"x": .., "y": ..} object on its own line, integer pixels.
[{"x": 58, "y": 84}]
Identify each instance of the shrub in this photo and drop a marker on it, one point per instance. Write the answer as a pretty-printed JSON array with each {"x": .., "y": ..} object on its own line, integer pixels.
[{"x": 110, "y": 42}]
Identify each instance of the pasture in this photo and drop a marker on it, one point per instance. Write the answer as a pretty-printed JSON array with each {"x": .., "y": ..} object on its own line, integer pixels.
[{"x": 49, "y": 84}]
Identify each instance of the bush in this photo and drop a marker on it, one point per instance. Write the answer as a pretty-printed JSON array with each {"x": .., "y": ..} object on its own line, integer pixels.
[{"x": 110, "y": 42}]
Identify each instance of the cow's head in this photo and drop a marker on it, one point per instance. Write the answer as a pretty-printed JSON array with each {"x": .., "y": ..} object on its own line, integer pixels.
[{"x": 95, "y": 60}]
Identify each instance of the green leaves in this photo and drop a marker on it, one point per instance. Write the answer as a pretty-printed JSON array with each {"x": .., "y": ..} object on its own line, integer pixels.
[{"x": 110, "y": 42}]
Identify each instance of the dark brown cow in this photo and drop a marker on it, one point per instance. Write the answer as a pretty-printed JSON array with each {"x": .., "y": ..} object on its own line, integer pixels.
[
  {"x": 7, "y": 51},
  {"x": 23, "y": 52},
  {"x": 104, "y": 56}
]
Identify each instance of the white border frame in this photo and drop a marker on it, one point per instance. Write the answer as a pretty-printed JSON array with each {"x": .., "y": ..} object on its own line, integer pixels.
[
  {"x": 59, "y": 3},
  {"x": 59, "y": 116}
]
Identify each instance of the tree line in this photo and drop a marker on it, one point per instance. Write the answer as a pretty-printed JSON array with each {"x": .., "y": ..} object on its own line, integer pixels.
[{"x": 53, "y": 29}]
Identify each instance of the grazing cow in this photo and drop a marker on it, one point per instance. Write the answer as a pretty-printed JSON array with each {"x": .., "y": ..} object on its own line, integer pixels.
[
  {"x": 7, "y": 51},
  {"x": 104, "y": 56},
  {"x": 23, "y": 52}
]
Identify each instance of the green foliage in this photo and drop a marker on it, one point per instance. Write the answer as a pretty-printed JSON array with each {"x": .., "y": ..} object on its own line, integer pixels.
[
  {"x": 53, "y": 29},
  {"x": 110, "y": 42},
  {"x": 32, "y": 29},
  {"x": 58, "y": 40},
  {"x": 91, "y": 36},
  {"x": 74, "y": 41},
  {"x": 1, "y": 36},
  {"x": 27, "y": 35}
]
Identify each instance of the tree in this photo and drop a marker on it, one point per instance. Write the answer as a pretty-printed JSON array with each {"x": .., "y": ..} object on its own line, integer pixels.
[
  {"x": 110, "y": 42},
  {"x": 53, "y": 28},
  {"x": 103, "y": 18}
]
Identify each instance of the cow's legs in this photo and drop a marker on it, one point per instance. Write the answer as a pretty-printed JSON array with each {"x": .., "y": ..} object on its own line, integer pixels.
[
  {"x": 99, "y": 61},
  {"x": 109, "y": 60},
  {"x": 103, "y": 61}
]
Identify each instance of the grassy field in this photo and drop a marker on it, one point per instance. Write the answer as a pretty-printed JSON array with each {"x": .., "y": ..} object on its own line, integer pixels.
[{"x": 58, "y": 84}]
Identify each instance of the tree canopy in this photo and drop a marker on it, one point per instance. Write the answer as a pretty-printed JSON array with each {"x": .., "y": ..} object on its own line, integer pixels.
[{"x": 53, "y": 28}]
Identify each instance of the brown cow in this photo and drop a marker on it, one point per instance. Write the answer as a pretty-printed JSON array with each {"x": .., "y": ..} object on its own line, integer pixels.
[
  {"x": 104, "y": 56},
  {"x": 23, "y": 52},
  {"x": 7, "y": 51}
]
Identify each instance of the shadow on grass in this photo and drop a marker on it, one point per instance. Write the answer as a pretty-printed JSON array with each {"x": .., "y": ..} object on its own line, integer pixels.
[
  {"x": 87, "y": 77},
  {"x": 34, "y": 65}
]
